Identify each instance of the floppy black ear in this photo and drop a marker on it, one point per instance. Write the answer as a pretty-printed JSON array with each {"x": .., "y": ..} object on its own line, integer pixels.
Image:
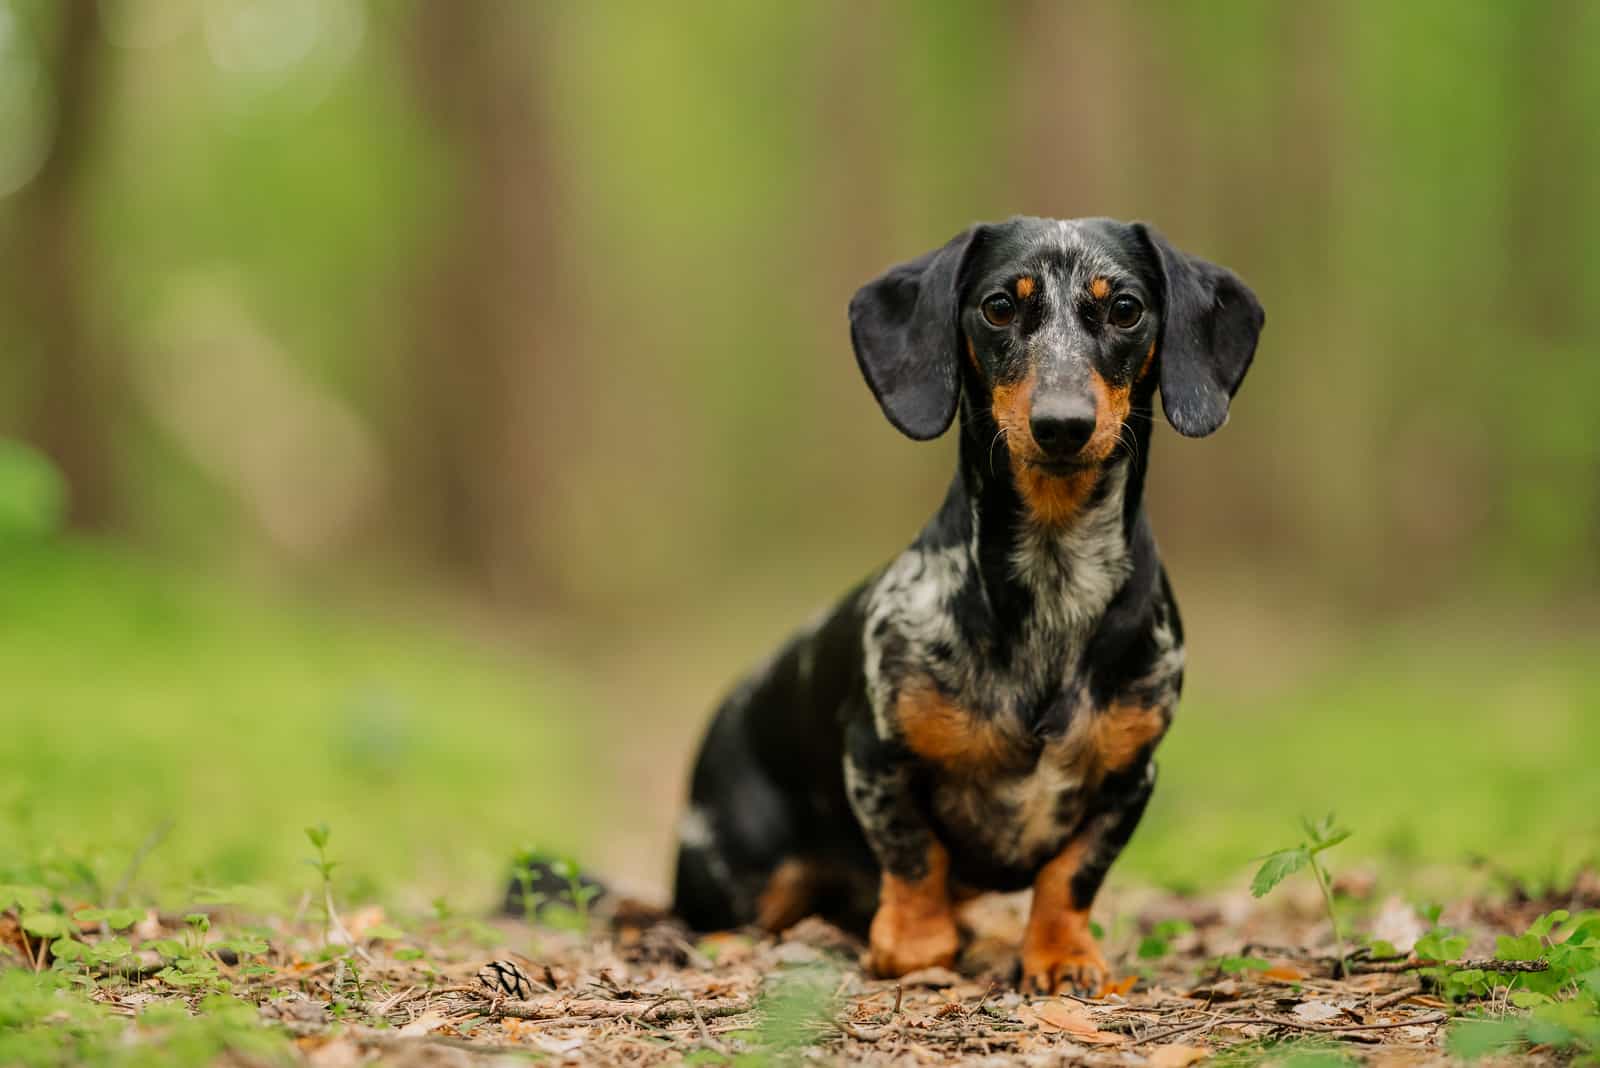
[
  {"x": 907, "y": 339},
  {"x": 1208, "y": 338}
]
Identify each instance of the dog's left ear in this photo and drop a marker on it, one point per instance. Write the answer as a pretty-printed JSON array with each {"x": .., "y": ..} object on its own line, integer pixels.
[
  {"x": 907, "y": 339},
  {"x": 1209, "y": 331}
]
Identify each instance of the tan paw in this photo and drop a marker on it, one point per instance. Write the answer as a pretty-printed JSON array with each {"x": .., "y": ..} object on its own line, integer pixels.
[
  {"x": 1057, "y": 969},
  {"x": 904, "y": 940}
]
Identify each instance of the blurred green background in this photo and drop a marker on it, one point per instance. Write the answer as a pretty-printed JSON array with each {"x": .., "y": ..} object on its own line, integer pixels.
[{"x": 414, "y": 414}]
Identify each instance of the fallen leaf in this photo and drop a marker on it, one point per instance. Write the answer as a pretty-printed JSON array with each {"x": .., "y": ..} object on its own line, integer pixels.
[
  {"x": 1284, "y": 973},
  {"x": 1054, "y": 1017},
  {"x": 422, "y": 1025},
  {"x": 1317, "y": 1011},
  {"x": 1119, "y": 986},
  {"x": 1176, "y": 1056},
  {"x": 1398, "y": 924}
]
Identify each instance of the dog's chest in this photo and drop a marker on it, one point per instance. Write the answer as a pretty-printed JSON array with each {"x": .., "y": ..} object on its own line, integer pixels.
[
  {"x": 1019, "y": 818},
  {"x": 931, "y": 619}
]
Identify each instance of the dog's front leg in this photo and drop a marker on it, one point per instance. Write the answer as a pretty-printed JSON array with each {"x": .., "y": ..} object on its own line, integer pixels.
[
  {"x": 914, "y": 926},
  {"x": 1059, "y": 950}
]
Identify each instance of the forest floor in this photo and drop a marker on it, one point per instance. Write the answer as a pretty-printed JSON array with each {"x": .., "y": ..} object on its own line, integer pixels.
[{"x": 1221, "y": 979}]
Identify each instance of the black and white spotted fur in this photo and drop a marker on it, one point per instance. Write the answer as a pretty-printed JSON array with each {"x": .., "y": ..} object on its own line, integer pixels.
[{"x": 1033, "y": 628}]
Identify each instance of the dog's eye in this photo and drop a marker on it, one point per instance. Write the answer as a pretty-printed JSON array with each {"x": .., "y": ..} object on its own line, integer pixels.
[
  {"x": 1125, "y": 312},
  {"x": 999, "y": 310}
]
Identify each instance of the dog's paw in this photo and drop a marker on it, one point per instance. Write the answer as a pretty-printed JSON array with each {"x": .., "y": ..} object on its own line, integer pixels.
[
  {"x": 1073, "y": 968},
  {"x": 905, "y": 940}
]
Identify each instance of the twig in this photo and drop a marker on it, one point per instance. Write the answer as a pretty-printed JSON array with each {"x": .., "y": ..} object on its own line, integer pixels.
[
  {"x": 700, "y": 1022},
  {"x": 963, "y": 1034},
  {"x": 1427, "y": 1019},
  {"x": 605, "y": 1009},
  {"x": 1483, "y": 964},
  {"x": 1389, "y": 1001}
]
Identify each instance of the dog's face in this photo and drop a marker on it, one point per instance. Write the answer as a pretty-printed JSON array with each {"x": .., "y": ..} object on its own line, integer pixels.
[{"x": 1059, "y": 323}]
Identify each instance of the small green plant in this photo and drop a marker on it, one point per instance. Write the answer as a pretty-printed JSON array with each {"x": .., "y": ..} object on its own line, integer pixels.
[
  {"x": 568, "y": 908},
  {"x": 1562, "y": 1002},
  {"x": 798, "y": 1008},
  {"x": 582, "y": 893},
  {"x": 1158, "y": 943},
  {"x": 523, "y": 872},
  {"x": 1231, "y": 965},
  {"x": 331, "y": 925},
  {"x": 1277, "y": 866}
]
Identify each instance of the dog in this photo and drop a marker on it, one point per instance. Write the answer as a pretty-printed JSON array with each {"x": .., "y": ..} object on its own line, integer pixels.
[{"x": 980, "y": 714}]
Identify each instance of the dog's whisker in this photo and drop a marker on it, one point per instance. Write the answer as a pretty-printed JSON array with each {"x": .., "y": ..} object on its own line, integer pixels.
[{"x": 998, "y": 434}]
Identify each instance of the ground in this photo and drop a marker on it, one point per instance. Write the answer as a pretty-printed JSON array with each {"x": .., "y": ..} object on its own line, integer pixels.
[
  {"x": 168, "y": 739},
  {"x": 1221, "y": 978}
]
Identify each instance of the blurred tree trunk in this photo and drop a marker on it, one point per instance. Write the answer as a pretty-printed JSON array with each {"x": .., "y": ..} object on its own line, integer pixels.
[
  {"x": 71, "y": 413},
  {"x": 490, "y": 308}
]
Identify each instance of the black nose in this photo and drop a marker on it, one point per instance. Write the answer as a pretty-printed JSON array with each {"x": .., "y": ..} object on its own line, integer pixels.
[{"x": 1062, "y": 427}]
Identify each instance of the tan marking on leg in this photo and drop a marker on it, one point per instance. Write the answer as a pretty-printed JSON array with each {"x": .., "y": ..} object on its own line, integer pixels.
[
  {"x": 1099, "y": 288},
  {"x": 1103, "y": 741},
  {"x": 1025, "y": 287},
  {"x": 939, "y": 731},
  {"x": 1121, "y": 732},
  {"x": 915, "y": 925},
  {"x": 788, "y": 896},
  {"x": 1058, "y": 949}
]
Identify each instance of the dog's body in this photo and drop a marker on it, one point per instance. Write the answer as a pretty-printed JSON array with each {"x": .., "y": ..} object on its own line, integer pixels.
[{"x": 980, "y": 714}]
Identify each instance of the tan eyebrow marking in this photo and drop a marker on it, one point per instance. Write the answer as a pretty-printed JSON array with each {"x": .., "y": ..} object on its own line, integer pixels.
[
  {"x": 1099, "y": 288},
  {"x": 1025, "y": 286}
]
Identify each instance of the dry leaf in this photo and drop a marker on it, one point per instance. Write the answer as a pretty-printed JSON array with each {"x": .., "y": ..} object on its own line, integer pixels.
[
  {"x": 422, "y": 1025},
  {"x": 1057, "y": 1017},
  {"x": 1398, "y": 924},
  {"x": 1284, "y": 973},
  {"x": 1118, "y": 986},
  {"x": 1176, "y": 1056},
  {"x": 1317, "y": 1011}
]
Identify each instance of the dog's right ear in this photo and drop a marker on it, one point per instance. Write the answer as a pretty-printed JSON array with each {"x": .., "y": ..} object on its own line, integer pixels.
[{"x": 907, "y": 339}]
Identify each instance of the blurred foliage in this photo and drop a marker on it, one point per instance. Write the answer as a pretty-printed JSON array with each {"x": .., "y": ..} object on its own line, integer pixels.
[
  {"x": 32, "y": 495},
  {"x": 138, "y": 701},
  {"x": 267, "y": 188}
]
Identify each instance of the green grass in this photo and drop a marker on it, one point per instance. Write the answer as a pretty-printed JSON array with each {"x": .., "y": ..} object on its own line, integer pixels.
[
  {"x": 137, "y": 695},
  {"x": 1435, "y": 750}
]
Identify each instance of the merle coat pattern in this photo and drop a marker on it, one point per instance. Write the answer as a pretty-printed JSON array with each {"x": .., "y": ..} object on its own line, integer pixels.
[{"x": 980, "y": 713}]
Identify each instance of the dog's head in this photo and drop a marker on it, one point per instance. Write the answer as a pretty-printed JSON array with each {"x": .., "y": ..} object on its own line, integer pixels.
[{"x": 1058, "y": 323}]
